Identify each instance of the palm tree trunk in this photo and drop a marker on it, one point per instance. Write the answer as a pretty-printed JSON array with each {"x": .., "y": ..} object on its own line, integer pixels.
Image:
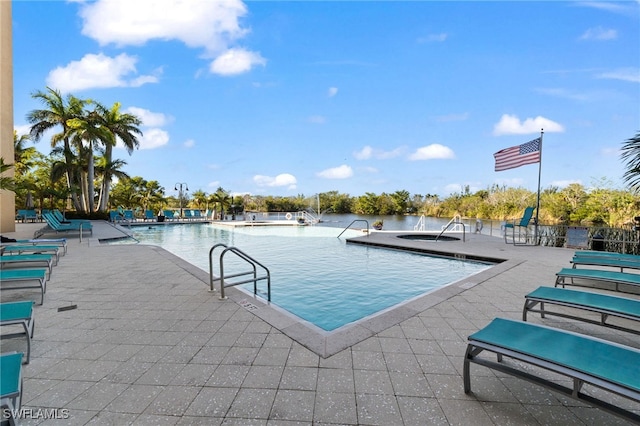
[
  {"x": 90, "y": 179},
  {"x": 71, "y": 177}
]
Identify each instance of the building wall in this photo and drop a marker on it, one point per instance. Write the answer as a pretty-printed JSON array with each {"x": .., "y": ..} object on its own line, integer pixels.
[{"x": 7, "y": 198}]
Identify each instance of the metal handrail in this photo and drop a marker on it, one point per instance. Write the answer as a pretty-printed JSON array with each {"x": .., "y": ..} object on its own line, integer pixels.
[
  {"x": 354, "y": 221},
  {"x": 242, "y": 255},
  {"x": 454, "y": 221}
]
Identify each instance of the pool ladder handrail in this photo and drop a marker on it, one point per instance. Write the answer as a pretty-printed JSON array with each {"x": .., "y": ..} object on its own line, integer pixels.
[
  {"x": 354, "y": 221},
  {"x": 455, "y": 221},
  {"x": 242, "y": 255}
]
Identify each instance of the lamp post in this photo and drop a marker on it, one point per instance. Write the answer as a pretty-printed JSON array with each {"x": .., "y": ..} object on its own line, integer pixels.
[{"x": 175, "y": 188}]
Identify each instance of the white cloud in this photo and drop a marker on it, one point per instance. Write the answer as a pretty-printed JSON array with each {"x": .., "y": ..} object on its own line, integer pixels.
[
  {"x": 609, "y": 6},
  {"x": 235, "y": 61},
  {"x": 153, "y": 138},
  {"x": 565, "y": 183},
  {"x": 189, "y": 143},
  {"x": 213, "y": 26},
  {"x": 563, "y": 93},
  {"x": 332, "y": 92},
  {"x": 611, "y": 152},
  {"x": 206, "y": 24},
  {"x": 214, "y": 184},
  {"x": 368, "y": 152},
  {"x": 599, "y": 33},
  {"x": 434, "y": 38},
  {"x": 317, "y": 119},
  {"x": 626, "y": 74},
  {"x": 149, "y": 118},
  {"x": 283, "y": 179},
  {"x": 434, "y": 151},
  {"x": 97, "y": 71},
  {"x": 23, "y": 129},
  {"x": 511, "y": 125},
  {"x": 364, "y": 154},
  {"x": 340, "y": 172}
]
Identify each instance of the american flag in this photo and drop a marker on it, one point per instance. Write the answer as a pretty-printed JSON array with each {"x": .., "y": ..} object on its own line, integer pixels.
[{"x": 516, "y": 156}]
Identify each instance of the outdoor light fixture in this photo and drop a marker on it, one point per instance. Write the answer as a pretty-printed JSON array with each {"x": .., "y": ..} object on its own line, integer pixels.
[{"x": 175, "y": 188}]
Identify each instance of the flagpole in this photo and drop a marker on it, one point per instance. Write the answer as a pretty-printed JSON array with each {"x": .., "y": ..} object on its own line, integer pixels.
[{"x": 535, "y": 229}]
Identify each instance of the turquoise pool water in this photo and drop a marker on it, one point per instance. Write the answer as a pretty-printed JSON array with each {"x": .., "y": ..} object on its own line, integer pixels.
[{"x": 315, "y": 275}]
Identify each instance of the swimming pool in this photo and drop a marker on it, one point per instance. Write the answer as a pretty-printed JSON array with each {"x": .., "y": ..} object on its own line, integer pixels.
[{"x": 314, "y": 275}]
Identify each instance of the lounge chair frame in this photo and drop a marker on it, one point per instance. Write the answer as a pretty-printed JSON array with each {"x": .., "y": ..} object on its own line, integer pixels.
[
  {"x": 621, "y": 264},
  {"x": 18, "y": 313},
  {"x": 21, "y": 276},
  {"x": 11, "y": 399},
  {"x": 601, "y": 304},
  {"x": 9, "y": 261},
  {"x": 578, "y": 378},
  {"x": 61, "y": 242},
  {"x": 13, "y": 248},
  {"x": 613, "y": 277}
]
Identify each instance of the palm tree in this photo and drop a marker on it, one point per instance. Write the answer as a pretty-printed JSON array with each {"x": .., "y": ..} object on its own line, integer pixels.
[
  {"x": 6, "y": 182},
  {"x": 631, "y": 156},
  {"x": 57, "y": 112},
  {"x": 108, "y": 170},
  {"x": 150, "y": 194},
  {"x": 88, "y": 129},
  {"x": 222, "y": 198},
  {"x": 23, "y": 156},
  {"x": 199, "y": 198},
  {"x": 123, "y": 127}
]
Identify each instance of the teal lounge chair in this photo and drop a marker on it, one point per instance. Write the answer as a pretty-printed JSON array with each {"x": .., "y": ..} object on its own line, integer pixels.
[
  {"x": 583, "y": 359},
  {"x": 14, "y": 279},
  {"x": 149, "y": 215},
  {"x": 58, "y": 215},
  {"x": 596, "y": 275},
  {"x": 188, "y": 215},
  {"x": 18, "y": 313},
  {"x": 30, "y": 260},
  {"x": 519, "y": 227},
  {"x": 11, "y": 385},
  {"x": 612, "y": 262},
  {"x": 607, "y": 255},
  {"x": 13, "y": 248},
  {"x": 56, "y": 226},
  {"x": 27, "y": 215},
  {"x": 601, "y": 304},
  {"x": 62, "y": 242},
  {"x": 168, "y": 214}
]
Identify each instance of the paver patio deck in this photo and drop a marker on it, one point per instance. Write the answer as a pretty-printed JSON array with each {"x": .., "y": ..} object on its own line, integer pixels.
[{"x": 149, "y": 344}]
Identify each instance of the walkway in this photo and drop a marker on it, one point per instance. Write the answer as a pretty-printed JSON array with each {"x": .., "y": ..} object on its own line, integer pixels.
[{"x": 149, "y": 344}]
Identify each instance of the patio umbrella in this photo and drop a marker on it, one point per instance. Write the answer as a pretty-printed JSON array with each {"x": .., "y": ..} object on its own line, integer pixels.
[{"x": 28, "y": 204}]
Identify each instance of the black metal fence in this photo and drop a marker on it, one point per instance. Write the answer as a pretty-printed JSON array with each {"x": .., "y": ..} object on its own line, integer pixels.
[{"x": 620, "y": 240}]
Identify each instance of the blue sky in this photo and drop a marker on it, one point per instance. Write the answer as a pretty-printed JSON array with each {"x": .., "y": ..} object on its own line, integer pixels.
[{"x": 288, "y": 98}]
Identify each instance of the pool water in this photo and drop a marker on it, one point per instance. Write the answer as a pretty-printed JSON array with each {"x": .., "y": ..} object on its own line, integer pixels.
[{"x": 314, "y": 275}]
